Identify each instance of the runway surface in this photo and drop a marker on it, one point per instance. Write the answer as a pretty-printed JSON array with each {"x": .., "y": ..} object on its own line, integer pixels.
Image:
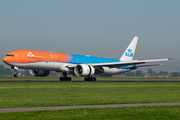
[
  {"x": 7, "y": 110},
  {"x": 29, "y": 81}
]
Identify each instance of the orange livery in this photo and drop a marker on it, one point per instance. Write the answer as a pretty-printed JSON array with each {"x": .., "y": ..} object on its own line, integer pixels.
[{"x": 41, "y": 63}]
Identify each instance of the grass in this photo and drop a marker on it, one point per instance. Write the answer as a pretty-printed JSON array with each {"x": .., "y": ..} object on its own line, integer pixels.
[
  {"x": 14, "y": 95},
  {"x": 133, "y": 113},
  {"x": 32, "y": 78}
]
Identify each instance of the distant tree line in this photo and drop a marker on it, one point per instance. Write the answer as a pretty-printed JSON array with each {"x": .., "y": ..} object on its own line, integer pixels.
[
  {"x": 151, "y": 73},
  {"x": 8, "y": 72},
  {"x": 175, "y": 74},
  {"x": 26, "y": 72},
  {"x": 5, "y": 71}
]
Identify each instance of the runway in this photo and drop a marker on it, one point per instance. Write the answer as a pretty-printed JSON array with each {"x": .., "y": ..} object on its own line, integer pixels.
[
  {"x": 29, "y": 81},
  {"x": 7, "y": 110}
]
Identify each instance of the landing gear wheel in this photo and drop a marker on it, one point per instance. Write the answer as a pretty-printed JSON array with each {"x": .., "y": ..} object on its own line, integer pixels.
[
  {"x": 15, "y": 75},
  {"x": 90, "y": 79},
  {"x": 69, "y": 78},
  {"x": 65, "y": 78}
]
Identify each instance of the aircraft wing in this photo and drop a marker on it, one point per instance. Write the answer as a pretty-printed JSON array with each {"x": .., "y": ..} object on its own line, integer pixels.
[{"x": 126, "y": 63}]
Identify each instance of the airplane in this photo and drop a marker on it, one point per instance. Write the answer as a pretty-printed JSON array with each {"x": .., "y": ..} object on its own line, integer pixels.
[{"x": 41, "y": 63}]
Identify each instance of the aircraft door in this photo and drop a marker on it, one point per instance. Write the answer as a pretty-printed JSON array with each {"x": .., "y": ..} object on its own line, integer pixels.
[
  {"x": 24, "y": 57},
  {"x": 46, "y": 59},
  {"x": 77, "y": 60}
]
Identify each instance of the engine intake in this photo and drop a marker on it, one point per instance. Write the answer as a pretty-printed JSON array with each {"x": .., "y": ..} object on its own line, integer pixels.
[
  {"x": 40, "y": 73},
  {"x": 84, "y": 70}
]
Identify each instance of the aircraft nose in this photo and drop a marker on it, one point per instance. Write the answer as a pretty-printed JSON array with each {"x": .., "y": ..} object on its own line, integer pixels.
[{"x": 5, "y": 59}]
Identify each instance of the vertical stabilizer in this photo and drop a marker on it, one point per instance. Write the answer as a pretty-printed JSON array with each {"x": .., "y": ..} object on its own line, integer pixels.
[{"x": 130, "y": 51}]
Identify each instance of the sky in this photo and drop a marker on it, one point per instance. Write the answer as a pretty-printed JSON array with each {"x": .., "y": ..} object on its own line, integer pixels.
[{"x": 93, "y": 27}]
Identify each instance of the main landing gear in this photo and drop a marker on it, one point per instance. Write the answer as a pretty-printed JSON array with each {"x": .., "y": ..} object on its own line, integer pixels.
[
  {"x": 65, "y": 78},
  {"x": 89, "y": 79}
]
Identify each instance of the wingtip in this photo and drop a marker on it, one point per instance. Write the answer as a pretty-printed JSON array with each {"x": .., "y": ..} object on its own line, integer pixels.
[{"x": 172, "y": 58}]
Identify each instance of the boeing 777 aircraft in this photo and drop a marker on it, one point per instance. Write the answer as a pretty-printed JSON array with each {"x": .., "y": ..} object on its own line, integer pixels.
[{"x": 41, "y": 63}]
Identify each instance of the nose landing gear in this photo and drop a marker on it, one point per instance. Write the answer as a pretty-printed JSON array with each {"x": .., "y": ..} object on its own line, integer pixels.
[{"x": 15, "y": 74}]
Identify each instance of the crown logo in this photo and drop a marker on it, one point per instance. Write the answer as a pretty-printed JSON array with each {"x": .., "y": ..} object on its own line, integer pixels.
[{"x": 129, "y": 50}]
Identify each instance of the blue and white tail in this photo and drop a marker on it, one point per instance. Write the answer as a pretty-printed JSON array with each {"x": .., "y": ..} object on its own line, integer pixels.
[{"x": 130, "y": 51}]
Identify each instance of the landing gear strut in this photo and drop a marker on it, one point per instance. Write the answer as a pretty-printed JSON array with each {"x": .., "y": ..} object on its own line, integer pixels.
[
  {"x": 15, "y": 74},
  {"x": 65, "y": 78},
  {"x": 89, "y": 79}
]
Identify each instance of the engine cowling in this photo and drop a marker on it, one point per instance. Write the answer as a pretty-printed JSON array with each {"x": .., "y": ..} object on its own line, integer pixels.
[
  {"x": 84, "y": 70},
  {"x": 40, "y": 73}
]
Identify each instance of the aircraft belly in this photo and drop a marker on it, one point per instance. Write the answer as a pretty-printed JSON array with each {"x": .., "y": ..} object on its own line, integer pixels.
[
  {"x": 113, "y": 71},
  {"x": 51, "y": 66}
]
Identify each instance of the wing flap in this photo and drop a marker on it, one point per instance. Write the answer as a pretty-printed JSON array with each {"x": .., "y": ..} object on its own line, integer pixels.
[
  {"x": 113, "y": 64},
  {"x": 145, "y": 65},
  {"x": 156, "y": 60}
]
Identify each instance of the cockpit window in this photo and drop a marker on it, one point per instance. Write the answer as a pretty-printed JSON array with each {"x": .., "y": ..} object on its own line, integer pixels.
[{"x": 10, "y": 55}]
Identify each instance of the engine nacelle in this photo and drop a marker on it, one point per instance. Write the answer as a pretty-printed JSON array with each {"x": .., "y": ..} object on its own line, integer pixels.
[
  {"x": 40, "y": 73},
  {"x": 84, "y": 70}
]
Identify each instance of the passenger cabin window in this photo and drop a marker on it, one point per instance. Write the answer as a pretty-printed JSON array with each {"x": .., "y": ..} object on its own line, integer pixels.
[{"x": 10, "y": 55}]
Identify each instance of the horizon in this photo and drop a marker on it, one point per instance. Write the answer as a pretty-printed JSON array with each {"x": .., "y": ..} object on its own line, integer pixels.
[{"x": 97, "y": 28}]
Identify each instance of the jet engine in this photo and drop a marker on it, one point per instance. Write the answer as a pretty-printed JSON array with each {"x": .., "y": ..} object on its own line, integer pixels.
[
  {"x": 40, "y": 73},
  {"x": 84, "y": 70}
]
